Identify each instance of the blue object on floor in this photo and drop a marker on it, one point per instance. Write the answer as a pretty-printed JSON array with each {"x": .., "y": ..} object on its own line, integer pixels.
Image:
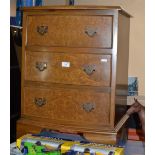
[{"x": 64, "y": 136}]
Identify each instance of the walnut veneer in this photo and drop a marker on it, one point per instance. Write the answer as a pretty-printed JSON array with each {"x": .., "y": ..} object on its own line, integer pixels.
[{"x": 73, "y": 60}]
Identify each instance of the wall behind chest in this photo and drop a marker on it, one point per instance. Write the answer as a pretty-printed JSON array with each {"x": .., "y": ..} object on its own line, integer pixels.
[{"x": 13, "y": 8}]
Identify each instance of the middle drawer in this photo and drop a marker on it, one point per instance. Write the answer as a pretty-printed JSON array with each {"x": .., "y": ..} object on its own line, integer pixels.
[{"x": 64, "y": 68}]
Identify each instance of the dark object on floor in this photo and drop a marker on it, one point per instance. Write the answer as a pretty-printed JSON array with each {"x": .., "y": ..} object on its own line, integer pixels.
[
  {"x": 14, "y": 85},
  {"x": 64, "y": 136}
]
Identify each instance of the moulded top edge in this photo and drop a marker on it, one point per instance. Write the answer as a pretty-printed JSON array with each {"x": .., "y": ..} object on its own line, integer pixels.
[{"x": 75, "y": 7}]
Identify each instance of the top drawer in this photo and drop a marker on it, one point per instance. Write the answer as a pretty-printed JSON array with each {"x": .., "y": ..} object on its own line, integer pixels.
[{"x": 70, "y": 31}]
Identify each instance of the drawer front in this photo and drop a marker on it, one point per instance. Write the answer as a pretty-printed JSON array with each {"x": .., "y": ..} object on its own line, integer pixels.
[
  {"x": 78, "y": 69},
  {"x": 71, "y": 106},
  {"x": 70, "y": 31}
]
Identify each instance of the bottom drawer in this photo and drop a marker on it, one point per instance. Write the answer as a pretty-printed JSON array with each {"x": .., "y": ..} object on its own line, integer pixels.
[{"x": 68, "y": 106}]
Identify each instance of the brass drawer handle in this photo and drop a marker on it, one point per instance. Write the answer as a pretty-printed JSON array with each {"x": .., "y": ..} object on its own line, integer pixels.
[
  {"x": 42, "y": 29},
  {"x": 89, "y": 69},
  {"x": 41, "y": 66},
  {"x": 40, "y": 101},
  {"x": 88, "y": 107},
  {"x": 90, "y": 31}
]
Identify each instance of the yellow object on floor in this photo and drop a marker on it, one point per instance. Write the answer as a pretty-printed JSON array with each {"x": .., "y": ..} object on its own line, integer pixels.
[{"x": 65, "y": 146}]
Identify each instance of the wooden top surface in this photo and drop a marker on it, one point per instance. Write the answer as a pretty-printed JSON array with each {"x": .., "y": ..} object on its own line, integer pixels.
[{"x": 75, "y": 7}]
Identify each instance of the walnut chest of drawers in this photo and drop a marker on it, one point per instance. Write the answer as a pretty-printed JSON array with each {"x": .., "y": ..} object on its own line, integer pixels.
[{"x": 74, "y": 58}]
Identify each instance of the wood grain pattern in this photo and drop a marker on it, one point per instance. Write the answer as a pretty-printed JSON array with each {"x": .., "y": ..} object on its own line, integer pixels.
[
  {"x": 102, "y": 138},
  {"x": 69, "y": 50},
  {"x": 28, "y": 126},
  {"x": 70, "y": 69},
  {"x": 69, "y": 31},
  {"x": 66, "y": 105},
  {"x": 79, "y": 8},
  {"x": 72, "y": 74}
]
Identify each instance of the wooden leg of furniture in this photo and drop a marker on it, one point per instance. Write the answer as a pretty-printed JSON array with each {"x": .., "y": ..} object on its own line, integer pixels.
[
  {"x": 24, "y": 128},
  {"x": 103, "y": 138}
]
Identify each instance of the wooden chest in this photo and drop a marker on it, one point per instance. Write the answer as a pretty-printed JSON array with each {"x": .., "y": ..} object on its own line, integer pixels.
[{"x": 74, "y": 59}]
